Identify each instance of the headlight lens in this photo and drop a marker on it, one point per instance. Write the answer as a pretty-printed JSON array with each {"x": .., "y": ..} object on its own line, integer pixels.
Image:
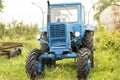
[
  {"x": 38, "y": 36},
  {"x": 77, "y": 34}
]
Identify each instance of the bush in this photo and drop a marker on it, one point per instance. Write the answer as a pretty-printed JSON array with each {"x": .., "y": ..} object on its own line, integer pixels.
[
  {"x": 105, "y": 40},
  {"x": 16, "y": 29}
]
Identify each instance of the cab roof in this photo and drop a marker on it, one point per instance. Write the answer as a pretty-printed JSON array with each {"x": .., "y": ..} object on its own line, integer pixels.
[{"x": 65, "y": 4}]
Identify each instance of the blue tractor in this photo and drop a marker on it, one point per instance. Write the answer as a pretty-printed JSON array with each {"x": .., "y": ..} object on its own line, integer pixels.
[{"x": 66, "y": 36}]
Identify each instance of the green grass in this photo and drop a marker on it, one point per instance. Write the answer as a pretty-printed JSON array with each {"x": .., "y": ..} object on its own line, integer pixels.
[
  {"x": 107, "y": 64},
  {"x": 106, "y": 68}
]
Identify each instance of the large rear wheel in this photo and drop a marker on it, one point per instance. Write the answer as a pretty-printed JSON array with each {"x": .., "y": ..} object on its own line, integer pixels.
[
  {"x": 83, "y": 63},
  {"x": 88, "y": 43},
  {"x": 34, "y": 64}
]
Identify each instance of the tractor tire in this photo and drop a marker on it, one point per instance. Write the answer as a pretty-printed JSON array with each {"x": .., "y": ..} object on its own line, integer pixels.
[
  {"x": 31, "y": 67},
  {"x": 44, "y": 46},
  {"x": 88, "y": 42},
  {"x": 83, "y": 63}
]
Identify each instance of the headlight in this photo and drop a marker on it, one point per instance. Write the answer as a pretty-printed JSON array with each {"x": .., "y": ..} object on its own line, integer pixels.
[
  {"x": 77, "y": 34},
  {"x": 38, "y": 36}
]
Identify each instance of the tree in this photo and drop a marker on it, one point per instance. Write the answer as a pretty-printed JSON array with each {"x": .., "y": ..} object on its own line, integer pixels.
[
  {"x": 101, "y": 5},
  {"x": 1, "y": 5}
]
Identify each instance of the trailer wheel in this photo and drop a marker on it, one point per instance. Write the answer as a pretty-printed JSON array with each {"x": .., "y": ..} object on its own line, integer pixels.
[
  {"x": 34, "y": 64},
  {"x": 88, "y": 42},
  {"x": 83, "y": 63},
  {"x": 44, "y": 47}
]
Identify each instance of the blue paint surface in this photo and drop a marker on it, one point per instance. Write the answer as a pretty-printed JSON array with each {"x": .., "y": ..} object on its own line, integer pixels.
[{"x": 59, "y": 33}]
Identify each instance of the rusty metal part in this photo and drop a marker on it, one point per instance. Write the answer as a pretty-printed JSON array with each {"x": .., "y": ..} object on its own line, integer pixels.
[
  {"x": 8, "y": 45},
  {"x": 5, "y": 53}
]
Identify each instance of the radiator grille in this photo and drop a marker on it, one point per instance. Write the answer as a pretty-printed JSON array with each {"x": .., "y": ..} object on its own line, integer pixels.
[
  {"x": 58, "y": 35},
  {"x": 57, "y": 31}
]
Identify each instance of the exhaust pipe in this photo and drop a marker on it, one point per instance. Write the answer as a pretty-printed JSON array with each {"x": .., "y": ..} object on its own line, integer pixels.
[{"x": 48, "y": 15}]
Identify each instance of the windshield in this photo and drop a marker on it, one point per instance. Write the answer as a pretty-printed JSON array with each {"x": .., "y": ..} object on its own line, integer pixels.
[{"x": 64, "y": 14}]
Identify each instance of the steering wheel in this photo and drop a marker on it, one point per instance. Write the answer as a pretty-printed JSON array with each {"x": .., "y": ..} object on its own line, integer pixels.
[{"x": 64, "y": 18}]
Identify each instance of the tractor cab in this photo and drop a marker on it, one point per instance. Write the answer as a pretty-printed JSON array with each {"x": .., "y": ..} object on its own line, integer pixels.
[{"x": 69, "y": 13}]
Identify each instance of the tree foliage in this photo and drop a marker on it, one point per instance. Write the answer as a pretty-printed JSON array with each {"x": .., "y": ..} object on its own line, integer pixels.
[
  {"x": 18, "y": 29},
  {"x": 1, "y": 5},
  {"x": 101, "y": 5}
]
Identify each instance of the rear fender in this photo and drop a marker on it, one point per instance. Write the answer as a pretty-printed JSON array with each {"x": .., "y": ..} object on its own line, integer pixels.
[
  {"x": 89, "y": 27},
  {"x": 43, "y": 29}
]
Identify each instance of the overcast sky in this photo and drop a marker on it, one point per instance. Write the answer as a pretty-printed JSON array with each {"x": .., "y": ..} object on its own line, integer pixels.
[{"x": 24, "y": 10}]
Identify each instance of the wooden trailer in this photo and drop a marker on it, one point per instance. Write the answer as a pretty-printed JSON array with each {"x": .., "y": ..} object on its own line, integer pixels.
[{"x": 6, "y": 47}]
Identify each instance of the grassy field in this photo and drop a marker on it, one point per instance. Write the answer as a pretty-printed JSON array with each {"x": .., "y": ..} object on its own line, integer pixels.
[
  {"x": 107, "y": 66},
  {"x": 107, "y": 61}
]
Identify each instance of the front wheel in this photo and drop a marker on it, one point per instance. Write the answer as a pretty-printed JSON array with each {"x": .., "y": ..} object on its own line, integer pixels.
[
  {"x": 83, "y": 63},
  {"x": 34, "y": 64}
]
